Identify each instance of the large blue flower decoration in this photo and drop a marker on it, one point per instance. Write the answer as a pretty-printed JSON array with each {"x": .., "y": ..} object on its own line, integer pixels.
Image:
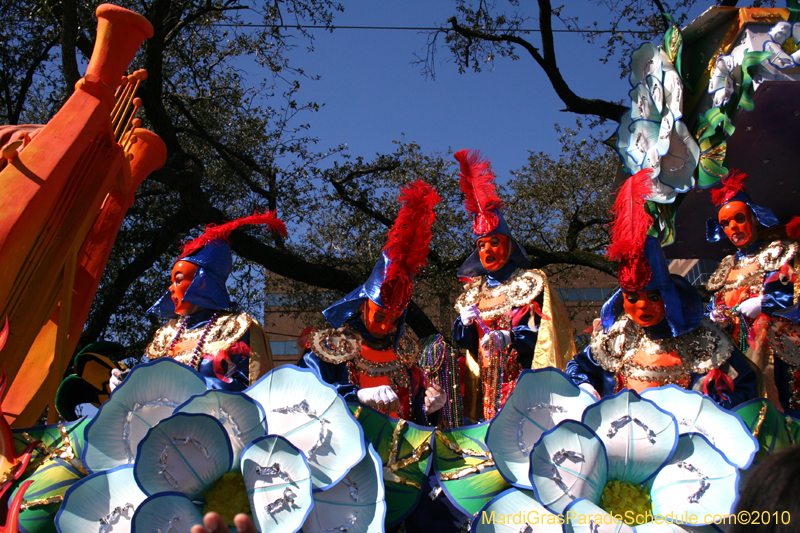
[
  {"x": 162, "y": 447},
  {"x": 651, "y": 134},
  {"x": 619, "y": 463}
]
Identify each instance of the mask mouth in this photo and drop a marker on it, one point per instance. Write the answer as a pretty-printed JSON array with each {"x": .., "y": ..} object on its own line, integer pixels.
[{"x": 739, "y": 238}]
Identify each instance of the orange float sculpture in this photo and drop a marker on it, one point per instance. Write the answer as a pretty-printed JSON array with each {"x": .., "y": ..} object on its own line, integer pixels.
[{"x": 64, "y": 190}]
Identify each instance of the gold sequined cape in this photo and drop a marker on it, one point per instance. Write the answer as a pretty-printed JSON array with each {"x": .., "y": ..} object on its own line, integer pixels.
[
  {"x": 226, "y": 331},
  {"x": 555, "y": 344}
]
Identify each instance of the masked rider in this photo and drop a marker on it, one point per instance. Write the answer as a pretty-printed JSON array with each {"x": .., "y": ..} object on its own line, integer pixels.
[
  {"x": 509, "y": 319},
  {"x": 754, "y": 287},
  {"x": 229, "y": 349},
  {"x": 652, "y": 331},
  {"x": 365, "y": 356}
]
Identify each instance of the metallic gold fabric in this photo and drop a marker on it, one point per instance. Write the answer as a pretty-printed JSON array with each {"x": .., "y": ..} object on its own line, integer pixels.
[{"x": 555, "y": 344}]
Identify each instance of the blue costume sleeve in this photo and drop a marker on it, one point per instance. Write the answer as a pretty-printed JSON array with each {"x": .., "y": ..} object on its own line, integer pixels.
[
  {"x": 465, "y": 336},
  {"x": 776, "y": 295},
  {"x": 744, "y": 384},
  {"x": 584, "y": 369},
  {"x": 335, "y": 375}
]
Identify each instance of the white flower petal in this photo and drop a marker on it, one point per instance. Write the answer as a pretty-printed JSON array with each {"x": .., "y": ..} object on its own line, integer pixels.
[
  {"x": 541, "y": 400},
  {"x": 780, "y": 32},
  {"x": 150, "y": 393},
  {"x": 241, "y": 416},
  {"x": 168, "y": 512},
  {"x": 639, "y": 437},
  {"x": 673, "y": 93},
  {"x": 697, "y": 413},
  {"x": 643, "y": 107},
  {"x": 516, "y": 503},
  {"x": 187, "y": 453},
  {"x": 779, "y": 59},
  {"x": 568, "y": 462},
  {"x": 356, "y": 504},
  {"x": 678, "y": 165},
  {"x": 584, "y": 516},
  {"x": 645, "y": 61},
  {"x": 278, "y": 483},
  {"x": 111, "y": 495},
  {"x": 314, "y": 418},
  {"x": 697, "y": 481}
]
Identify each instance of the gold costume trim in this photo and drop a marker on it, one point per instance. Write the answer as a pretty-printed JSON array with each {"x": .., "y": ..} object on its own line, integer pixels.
[
  {"x": 701, "y": 350},
  {"x": 224, "y": 333},
  {"x": 770, "y": 258}
]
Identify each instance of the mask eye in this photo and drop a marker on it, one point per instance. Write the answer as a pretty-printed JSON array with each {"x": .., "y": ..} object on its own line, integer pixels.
[
  {"x": 724, "y": 223},
  {"x": 395, "y": 320},
  {"x": 654, "y": 296},
  {"x": 739, "y": 218},
  {"x": 632, "y": 297},
  {"x": 495, "y": 242},
  {"x": 379, "y": 317}
]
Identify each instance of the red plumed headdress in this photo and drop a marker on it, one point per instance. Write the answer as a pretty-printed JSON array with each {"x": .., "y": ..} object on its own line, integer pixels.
[
  {"x": 221, "y": 232},
  {"x": 408, "y": 243},
  {"x": 477, "y": 184},
  {"x": 732, "y": 184},
  {"x": 793, "y": 228},
  {"x": 629, "y": 231}
]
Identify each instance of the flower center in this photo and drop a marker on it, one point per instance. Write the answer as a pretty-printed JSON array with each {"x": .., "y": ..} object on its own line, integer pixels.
[
  {"x": 790, "y": 46},
  {"x": 228, "y": 497},
  {"x": 628, "y": 501}
]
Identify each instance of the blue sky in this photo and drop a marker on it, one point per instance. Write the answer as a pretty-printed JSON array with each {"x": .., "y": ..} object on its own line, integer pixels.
[{"x": 373, "y": 94}]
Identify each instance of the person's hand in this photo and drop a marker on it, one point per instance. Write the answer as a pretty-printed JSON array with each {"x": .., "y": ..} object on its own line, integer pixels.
[
  {"x": 469, "y": 314},
  {"x": 115, "y": 380},
  {"x": 382, "y": 398},
  {"x": 499, "y": 339},
  {"x": 750, "y": 308},
  {"x": 215, "y": 524},
  {"x": 588, "y": 388},
  {"x": 435, "y": 398}
]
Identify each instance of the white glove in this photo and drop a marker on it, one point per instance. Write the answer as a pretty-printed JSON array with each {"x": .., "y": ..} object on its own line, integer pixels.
[
  {"x": 115, "y": 380},
  {"x": 499, "y": 339},
  {"x": 590, "y": 389},
  {"x": 382, "y": 398},
  {"x": 750, "y": 308},
  {"x": 469, "y": 314},
  {"x": 435, "y": 398}
]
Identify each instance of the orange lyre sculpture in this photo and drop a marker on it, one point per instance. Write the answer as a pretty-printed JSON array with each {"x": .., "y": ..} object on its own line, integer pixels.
[{"x": 63, "y": 194}]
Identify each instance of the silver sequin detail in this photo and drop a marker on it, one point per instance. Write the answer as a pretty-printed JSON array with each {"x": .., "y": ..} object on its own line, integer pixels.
[
  {"x": 273, "y": 470},
  {"x": 523, "y": 447},
  {"x": 558, "y": 458},
  {"x": 192, "y": 440},
  {"x": 126, "y": 428},
  {"x": 526, "y": 528},
  {"x": 352, "y": 486},
  {"x": 618, "y": 424},
  {"x": 687, "y": 423},
  {"x": 704, "y": 484},
  {"x": 170, "y": 526},
  {"x": 304, "y": 408},
  {"x": 284, "y": 502},
  {"x": 224, "y": 416},
  {"x": 162, "y": 468},
  {"x": 346, "y": 527},
  {"x": 435, "y": 492},
  {"x": 113, "y": 517}
]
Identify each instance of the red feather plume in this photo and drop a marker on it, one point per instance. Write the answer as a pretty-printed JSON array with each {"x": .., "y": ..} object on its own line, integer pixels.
[
  {"x": 477, "y": 184},
  {"x": 793, "y": 228},
  {"x": 629, "y": 231},
  {"x": 408, "y": 243},
  {"x": 221, "y": 232},
  {"x": 732, "y": 184}
]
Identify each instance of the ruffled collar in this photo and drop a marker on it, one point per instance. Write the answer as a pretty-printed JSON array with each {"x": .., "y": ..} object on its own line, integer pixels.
[
  {"x": 750, "y": 250},
  {"x": 493, "y": 279}
]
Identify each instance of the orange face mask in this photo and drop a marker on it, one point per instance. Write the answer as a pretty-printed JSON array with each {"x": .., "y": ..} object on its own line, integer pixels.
[
  {"x": 494, "y": 250},
  {"x": 379, "y": 320},
  {"x": 646, "y": 308},
  {"x": 182, "y": 275},
  {"x": 737, "y": 223}
]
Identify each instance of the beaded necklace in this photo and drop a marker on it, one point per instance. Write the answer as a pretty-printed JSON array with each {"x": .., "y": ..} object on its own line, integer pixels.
[
  {"x": 440, "y": 361},
  {"x": 197, "y": 353}
]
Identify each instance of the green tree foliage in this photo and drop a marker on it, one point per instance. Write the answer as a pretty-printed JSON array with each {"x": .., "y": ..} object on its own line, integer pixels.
[{"x": 237, "y": 143}]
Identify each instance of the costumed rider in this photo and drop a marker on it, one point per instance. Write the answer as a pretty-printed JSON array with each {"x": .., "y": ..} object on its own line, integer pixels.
[
  {"x": 229, "y": 349},
  {"x": 652, "y": 331},
  {"x": 364, "y": 355},
  {"x": 509, "y": 318},
  {"x": 754, "y": 289}
]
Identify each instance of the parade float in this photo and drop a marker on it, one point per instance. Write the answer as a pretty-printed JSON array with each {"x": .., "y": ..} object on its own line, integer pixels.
[{"x": 162, "y": 450}]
